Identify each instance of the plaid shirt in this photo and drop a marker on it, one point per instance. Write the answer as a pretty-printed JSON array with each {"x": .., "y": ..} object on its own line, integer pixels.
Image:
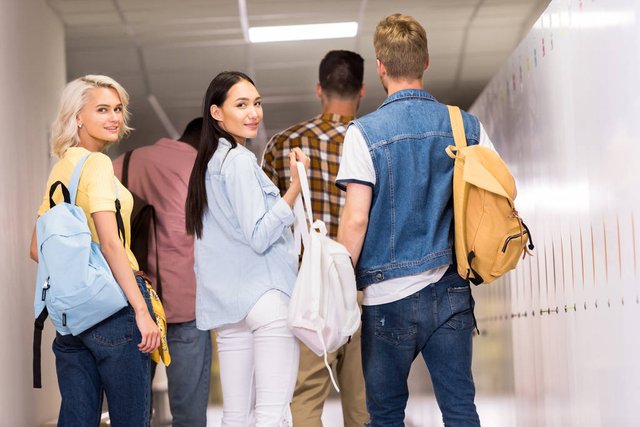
[{"x": 321, "y": 139}]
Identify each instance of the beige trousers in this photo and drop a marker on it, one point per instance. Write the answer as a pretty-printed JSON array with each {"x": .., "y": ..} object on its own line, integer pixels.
[{"x": 313, "y": 386}]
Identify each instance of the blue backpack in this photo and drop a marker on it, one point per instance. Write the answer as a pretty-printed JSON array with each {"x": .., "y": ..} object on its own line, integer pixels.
[{"x": 74, "y": 284}]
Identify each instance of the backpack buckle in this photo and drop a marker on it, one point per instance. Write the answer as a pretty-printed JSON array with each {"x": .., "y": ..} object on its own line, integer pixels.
[{"x": 44, "y": 289}]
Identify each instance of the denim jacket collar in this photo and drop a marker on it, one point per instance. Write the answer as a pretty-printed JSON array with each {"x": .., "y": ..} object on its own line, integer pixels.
[
  {"x": 408, "y": 94},
  {"x": 241, "y": 148}
]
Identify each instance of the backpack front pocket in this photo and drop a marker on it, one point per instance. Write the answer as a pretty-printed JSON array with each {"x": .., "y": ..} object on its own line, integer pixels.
[
  {"x": 509, "y": 251},
  {"x": 98, "y": 299}
]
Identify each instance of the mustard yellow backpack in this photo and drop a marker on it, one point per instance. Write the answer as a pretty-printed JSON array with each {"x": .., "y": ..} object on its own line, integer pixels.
[{"x": 490, "y": 236}]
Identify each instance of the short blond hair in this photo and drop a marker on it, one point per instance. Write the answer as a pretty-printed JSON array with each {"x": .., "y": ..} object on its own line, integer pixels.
[
  {"x": 64, "y": 130},
  {"x": 400, "y": 43}
]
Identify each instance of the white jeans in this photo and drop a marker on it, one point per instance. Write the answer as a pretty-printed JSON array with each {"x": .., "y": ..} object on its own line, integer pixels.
[{"x": 258, "y": 365}]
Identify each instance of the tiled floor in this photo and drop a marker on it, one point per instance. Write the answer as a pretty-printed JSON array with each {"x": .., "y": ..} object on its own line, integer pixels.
[
  {"x": 422, "y": 411},
  {"x": 331, "y": 417}
]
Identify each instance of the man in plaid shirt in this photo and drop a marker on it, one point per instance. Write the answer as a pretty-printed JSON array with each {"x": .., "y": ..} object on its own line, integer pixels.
[{"x": 339, "y": 90}]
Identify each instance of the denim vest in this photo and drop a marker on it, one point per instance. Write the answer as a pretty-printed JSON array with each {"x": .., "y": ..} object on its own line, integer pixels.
[{"x": 411, "y": 218}]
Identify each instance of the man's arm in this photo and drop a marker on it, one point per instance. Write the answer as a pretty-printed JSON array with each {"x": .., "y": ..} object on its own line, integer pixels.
[
  {"x": 484, "y": 139},
  {"x": 355, "y": 219}
]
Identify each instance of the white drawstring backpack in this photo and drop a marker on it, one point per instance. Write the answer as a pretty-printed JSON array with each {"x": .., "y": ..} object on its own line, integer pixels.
[{"x": 323, "y": 311}]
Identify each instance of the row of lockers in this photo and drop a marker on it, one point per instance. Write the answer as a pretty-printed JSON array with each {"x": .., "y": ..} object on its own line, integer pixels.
[{"x": 559, "y": 333}]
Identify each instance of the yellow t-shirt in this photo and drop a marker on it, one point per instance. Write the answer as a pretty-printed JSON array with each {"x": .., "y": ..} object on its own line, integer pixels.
[{"x": 96, "y": 191}]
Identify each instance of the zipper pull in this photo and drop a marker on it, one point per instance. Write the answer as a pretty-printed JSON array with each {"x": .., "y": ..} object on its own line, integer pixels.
[
  {"x": 64, "y": 319},
  {"x": 44, "y": 289}
]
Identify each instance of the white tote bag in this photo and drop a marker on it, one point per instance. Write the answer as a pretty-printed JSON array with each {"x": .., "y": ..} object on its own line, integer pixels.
[{"x": 323, "y": 311}]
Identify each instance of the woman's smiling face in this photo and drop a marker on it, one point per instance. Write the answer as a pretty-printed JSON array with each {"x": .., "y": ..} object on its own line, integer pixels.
[
  {"x": 101, "y": 118},
  {"x": 241, "y": 113}
]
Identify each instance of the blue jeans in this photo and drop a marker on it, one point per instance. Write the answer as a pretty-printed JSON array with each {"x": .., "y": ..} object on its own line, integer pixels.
[
  {"x": 104, "y": 358},
  {"x": 188, "y": 374},
  {"x": 438, "y": 322}
]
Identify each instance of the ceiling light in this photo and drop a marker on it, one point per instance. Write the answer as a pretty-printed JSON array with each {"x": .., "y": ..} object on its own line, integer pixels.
[{"x": 335, "y": 30}]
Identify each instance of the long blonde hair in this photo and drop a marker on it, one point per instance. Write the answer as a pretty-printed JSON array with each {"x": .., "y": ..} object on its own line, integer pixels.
[{"x": 64, "y": 130}]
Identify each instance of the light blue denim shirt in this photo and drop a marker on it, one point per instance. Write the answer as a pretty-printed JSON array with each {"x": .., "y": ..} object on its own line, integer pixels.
[{"x": 247, "y": 245}]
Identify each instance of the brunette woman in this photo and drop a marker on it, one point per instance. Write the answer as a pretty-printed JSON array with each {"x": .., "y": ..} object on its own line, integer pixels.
[{"x": 245, "y": 259}]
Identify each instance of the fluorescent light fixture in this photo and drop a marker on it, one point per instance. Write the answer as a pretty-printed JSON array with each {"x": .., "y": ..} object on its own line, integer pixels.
[{"x": 335, "y": 30}]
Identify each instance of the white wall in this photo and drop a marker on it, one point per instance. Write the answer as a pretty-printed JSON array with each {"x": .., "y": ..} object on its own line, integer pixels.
[
  {"x": 31, "y": 77},
  {"x": 560, "y": 334}
]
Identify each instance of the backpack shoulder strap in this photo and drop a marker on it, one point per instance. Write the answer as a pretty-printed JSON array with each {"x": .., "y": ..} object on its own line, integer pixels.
[
  {"x": 38, "y": 326},
  {"x": 125, "y": 182},
  {"x": 155, "y": 235},
  {"x": 119, "y": 220},
  {"x": 125, "y": 168},
  {"x": 457, "y": 127},
  {"x": 73, "y": 191},
  {"x": 75, "y": 178}
]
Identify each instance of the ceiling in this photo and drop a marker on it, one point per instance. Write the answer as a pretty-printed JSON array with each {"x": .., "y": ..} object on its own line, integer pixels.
[{"x": 165, "y": 52}]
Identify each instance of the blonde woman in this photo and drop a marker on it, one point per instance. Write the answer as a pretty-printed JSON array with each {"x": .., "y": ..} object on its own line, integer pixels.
[{"x": 112, "y": 356}]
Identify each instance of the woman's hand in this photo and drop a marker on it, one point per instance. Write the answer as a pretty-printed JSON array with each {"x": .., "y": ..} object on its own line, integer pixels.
[
  {"x": 149, "y": 331},
  {"x": 296, "y": 155},
  {"x": 116, "y": 257}
]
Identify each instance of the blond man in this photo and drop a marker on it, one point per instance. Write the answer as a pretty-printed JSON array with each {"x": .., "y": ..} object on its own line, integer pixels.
[{"x": 397, "y": 224}]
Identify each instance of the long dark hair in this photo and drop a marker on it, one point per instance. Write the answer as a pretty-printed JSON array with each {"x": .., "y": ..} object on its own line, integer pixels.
[{"x": 211, "y": 132}]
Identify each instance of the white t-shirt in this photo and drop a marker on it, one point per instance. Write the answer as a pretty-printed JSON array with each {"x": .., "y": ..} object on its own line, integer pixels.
[{"x": 357, "y": 166}]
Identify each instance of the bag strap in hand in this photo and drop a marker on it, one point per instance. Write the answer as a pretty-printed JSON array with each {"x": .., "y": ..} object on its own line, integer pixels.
[
  {"x": 306, "y": 193},
  {"x": 301, "y": 228}
]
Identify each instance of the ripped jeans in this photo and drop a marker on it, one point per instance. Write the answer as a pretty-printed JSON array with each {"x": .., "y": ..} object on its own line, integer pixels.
[{"x": 436, "y": 322}]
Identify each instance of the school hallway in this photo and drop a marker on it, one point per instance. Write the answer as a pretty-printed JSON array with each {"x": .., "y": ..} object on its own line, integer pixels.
[{"x": 554, "y": 83}]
